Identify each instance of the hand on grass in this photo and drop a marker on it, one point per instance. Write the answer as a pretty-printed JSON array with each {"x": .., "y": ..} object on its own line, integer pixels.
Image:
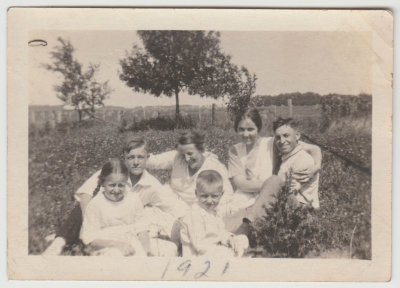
[
  {"x": 126, "y": 249},
  {"x": 239, "y": 244}
]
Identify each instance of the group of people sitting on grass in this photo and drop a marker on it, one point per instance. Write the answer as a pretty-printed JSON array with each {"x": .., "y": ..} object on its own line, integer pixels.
[{"x": 205, "y": 209}]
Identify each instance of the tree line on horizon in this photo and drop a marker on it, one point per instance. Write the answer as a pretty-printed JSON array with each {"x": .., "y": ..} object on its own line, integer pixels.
[{"x": 307, "y": 99}]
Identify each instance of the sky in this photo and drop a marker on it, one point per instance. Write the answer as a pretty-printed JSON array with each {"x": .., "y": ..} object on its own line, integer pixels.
[{"x": 284, "y": 62}]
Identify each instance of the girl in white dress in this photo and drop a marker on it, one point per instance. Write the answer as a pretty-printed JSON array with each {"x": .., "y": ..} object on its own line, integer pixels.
[{"x": 115, "y": 222}]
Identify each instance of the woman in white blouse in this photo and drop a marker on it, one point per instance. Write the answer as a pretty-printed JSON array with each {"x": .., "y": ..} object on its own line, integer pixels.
[{"x": 185, "y": 163}]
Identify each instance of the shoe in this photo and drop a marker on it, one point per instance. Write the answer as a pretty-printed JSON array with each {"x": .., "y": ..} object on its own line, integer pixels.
[
  {"x": 247, "y": 229},
  {"x": 50, "y": 238},
  {"x": 55, "y": 248}
]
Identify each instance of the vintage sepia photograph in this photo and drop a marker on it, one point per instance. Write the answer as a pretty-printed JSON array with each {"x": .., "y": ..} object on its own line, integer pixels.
[{"x": 189, "y": 145}]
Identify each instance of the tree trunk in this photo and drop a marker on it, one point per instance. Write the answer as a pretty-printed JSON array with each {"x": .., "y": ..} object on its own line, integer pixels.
[
  {"x": 93, "y": 112},
  {"x": 177, "y": 104},
  {"x": 80, "y": 115}
]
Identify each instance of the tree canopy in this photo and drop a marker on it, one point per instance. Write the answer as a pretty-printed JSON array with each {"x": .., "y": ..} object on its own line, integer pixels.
[
  {"x": 79, "y": 88},
  {"x": 176, "y": 61}
]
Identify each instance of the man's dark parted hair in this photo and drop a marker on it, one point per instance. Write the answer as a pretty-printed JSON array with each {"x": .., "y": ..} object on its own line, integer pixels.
[{"x": 285, "y": 121}]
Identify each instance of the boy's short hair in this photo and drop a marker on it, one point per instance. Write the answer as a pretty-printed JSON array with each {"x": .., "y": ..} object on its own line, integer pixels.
[
  {"x": 207, "y": 179},
  {"x": 133, "y": 142},
  {"x": 285, "y": 121}
]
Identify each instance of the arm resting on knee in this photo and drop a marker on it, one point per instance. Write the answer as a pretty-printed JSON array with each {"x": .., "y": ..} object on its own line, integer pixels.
[{"x": 248, "y": 186}]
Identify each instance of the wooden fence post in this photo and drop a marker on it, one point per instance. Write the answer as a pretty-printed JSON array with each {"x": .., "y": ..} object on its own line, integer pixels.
[
  {"x": 213, "y": 115},
  {"x": 58, "y": 116},
  {"x": 199, "y": 113},
  {"x": 144, "y": 113},
  {"x": 52, "y": 119},
  {"x": 289, "y": 102},
  {"x": 42, "y": 117}
]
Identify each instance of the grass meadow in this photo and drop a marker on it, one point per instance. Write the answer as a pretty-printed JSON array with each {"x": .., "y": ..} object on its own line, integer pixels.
[{"x": 61, "y": 159}]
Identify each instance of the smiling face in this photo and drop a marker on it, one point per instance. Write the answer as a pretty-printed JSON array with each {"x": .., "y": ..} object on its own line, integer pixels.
[
  {"x": 115, "y": 187},
  {"x": 208, "y": 198},
  {"x": 286, "y": 139},
  {"x": 136, "y": 160},
  {"x": 193, "y": 157},
  {"x": 248, "y": 131}
]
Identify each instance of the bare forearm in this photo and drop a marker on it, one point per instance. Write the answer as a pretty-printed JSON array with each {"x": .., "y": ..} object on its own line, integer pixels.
[
  {"x": 161, "y": 161},
  {"x": 248, "y": 186}
]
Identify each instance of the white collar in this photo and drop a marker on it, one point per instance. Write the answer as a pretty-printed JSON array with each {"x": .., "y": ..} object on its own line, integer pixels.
[
  {"x": 145, "y": 180},
  {"x": 296, "y": 149},
  {"x": 203, "y": 211}
]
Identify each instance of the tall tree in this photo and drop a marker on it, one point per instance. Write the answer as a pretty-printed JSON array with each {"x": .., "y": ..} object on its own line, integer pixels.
[
  {"x": 79, "y": 88},
  {"x": 176, "y": 61}
]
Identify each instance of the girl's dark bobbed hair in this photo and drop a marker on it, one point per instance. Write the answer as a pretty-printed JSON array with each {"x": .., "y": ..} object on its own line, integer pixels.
[{"x": 249, "y": 113}]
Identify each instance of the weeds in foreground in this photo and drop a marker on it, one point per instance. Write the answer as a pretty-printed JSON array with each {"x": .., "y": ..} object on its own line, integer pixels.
[
  {"x": 289, "y": 229},
  {"x": 298, "y": 231}
]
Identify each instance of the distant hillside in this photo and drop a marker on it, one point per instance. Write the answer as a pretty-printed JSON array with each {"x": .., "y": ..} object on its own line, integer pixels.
[
  {"x": 308, "y": 98},
  {"x": 149, "y": 108},
  {"x": 45, "y": 107},
  {"x": 300, "y": 99}
]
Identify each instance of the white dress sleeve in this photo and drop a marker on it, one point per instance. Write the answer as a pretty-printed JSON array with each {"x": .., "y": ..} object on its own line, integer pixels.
[
  {"x": 235, "y": 165},
  {"x": 91, "y": 223},
  {"x": 163, "y": 161},
  {"x": 263, "y": 162}
]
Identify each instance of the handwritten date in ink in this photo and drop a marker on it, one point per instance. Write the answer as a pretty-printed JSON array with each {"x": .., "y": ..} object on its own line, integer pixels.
[{"x": 197, "y": 271}]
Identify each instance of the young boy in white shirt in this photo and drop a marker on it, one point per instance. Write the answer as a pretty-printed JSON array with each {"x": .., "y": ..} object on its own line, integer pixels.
[{"x": 203, "y": 230}]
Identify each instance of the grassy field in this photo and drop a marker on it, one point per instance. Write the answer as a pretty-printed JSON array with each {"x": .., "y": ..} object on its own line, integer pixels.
[{"x": 61, "y": 160}]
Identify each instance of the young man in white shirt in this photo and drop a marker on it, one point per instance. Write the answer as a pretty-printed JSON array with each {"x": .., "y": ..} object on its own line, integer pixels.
[{"x": 295, "y": 160}]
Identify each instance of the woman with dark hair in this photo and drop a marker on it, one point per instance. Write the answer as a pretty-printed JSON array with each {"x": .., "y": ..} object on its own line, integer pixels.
[
  {"x": 253, "y": 161},
  {"x": 185, "y": 163}
]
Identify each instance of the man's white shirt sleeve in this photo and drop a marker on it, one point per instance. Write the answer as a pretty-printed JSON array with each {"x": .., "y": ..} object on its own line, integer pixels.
[{"x": 88, "y": 187}]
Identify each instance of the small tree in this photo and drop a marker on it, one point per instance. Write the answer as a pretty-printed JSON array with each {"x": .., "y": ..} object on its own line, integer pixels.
[
  {"x": 240, "y": 95},
  {"x": 176, "y": 61},
  {"x": 79, "y": 89}
]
